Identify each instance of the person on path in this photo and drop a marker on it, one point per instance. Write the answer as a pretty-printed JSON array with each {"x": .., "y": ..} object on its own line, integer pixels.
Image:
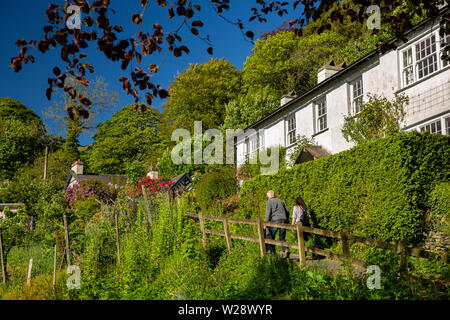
[
  {"x": 276, "y": 211},
  {"x": 300, "y": 214}
]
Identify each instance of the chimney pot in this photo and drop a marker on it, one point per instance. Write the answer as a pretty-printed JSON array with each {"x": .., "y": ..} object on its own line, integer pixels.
[
  {"x": 288, "y": 97},
  {"x": 329, "y": 70},
  {"x": 77, "y": 167},
  {"x": 153, "y": 173}
]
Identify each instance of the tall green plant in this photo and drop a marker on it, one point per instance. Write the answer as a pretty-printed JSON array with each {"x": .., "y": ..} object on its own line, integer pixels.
[{"x": 379, "y": 118}]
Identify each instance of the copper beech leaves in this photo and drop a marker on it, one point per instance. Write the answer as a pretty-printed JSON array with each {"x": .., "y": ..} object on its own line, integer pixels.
[{"x": 97, "y": 32}]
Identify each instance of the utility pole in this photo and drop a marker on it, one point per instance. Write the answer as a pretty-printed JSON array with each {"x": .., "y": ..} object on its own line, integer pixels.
[{"x": 45, "y": 163}]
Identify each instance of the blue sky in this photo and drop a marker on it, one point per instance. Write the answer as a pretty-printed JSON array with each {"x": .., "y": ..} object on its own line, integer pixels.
[{"x": 26, "y": 19}]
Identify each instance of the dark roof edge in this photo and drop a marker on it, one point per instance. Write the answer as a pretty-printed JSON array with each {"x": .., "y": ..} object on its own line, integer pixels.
[{"x": 339, "y": 73}]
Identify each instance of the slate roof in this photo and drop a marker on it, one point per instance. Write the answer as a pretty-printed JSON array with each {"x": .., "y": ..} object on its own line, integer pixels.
[
  {"x": 105, "y": 178},
  {"x": 311, "y": 153},
  {"x": 181, "y": 180}
]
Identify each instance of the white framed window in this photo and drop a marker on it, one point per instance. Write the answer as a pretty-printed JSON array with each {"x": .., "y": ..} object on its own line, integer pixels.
[
  {"x": 433, "y": 127},
  {"x": 422, "y": 58},
  {"x": 447, "y": 125},
  {"x": 291, "y": 126},
  {"x": 357, "y": 93},
  {"x": 321, "y": 111},
  {"x": 255, "y": 144},
  {"x": 426, "y": 57},
  {"x": 408, "y": 73},
  {"x": 446, "y": 40},
  {"x": 261, "y": 139},
  {"x": 246, "y": 148}
]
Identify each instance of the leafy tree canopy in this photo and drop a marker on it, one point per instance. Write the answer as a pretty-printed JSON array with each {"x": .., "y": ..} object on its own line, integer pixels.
[
  {"x": 250, "y": 107},
  {"x": 130, "y": 140},
  {"x": 19, "y": 144},
  {"x": 199, "y": 94},
  {"x": 270, "y": 63},
  {"x": 11, "y": 109}
]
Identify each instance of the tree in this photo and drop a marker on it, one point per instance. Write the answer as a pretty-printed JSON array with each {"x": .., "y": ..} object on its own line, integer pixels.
[
  {"x": 270, "y": 63},
  {"x": 286, "y": 61},
  {"x": 250, "y": 107},
  {"x": 11, "y": 109},
  {"x": 199, "y": 94},
  {"x": 129, "y": 139},
  {"x": 312, "y": 53},
  {"x": 19, "y": 144},
  {"x": 185, "y": 15},
  {"x": 25, "y": 185},
  {"x": 379, "y": 118},
  {"x": 96, "y": 98}
]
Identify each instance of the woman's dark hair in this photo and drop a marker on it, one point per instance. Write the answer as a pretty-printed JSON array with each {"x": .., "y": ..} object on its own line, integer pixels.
[{"x": 299, "y": 201}]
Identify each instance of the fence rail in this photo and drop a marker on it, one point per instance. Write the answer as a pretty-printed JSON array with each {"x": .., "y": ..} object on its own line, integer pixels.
[{"x": 343, "y": 236}]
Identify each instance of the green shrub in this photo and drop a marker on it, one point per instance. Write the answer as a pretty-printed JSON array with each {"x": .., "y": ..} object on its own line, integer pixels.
[
  {"x": 215, "y": 186},
  {"x": 439, "y": 203},
  {"x": 378, "y": 189}
]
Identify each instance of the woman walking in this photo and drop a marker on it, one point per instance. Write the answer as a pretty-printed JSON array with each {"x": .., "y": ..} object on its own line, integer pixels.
[{"x": 300, "y": 214}]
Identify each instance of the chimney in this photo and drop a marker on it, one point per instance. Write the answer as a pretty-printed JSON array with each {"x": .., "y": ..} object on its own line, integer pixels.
[
  {"x": 77, "y": 167},
  {"x": 153, "y": 173},
  {"x": 328, "y": 70},
  {"x": 287, "y": 97}
]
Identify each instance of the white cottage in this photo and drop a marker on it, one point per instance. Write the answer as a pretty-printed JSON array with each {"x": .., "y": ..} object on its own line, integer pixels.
[{"x": 414, "y": 68}]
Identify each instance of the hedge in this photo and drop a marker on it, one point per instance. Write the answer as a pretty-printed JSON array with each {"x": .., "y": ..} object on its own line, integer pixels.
[{"x": 378, "y": 189}]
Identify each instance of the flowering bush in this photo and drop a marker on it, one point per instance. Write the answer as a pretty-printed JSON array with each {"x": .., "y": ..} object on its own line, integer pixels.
[
  {"x": 84, "y": 189},
  {"x": 245, "y": 172},
  {"x": 159, "y": 185},
  {"x": 230, "y": 204}
]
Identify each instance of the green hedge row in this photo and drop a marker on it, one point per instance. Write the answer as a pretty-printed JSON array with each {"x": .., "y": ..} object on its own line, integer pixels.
[{"x": 378, "y": 189}]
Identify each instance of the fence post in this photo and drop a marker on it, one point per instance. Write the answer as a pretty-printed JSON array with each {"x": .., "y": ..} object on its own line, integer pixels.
[
  {"x": 403, "y": 261},
  {"x": 66, "y": 232},
  {"x": 147, "y": 204},
  {"x": 54, "y": 267},
  {"x": 116, "y": 218},
  {"x": 301, "y": 244},
  {"x": 226, "y": 230},
  {"x": 202, "y": 227},
  {"x": 444, "y": 257},
  {"x": 2, "y": 258},
  {"x": 262, "y": 244},
  {"x": 30, "y": 267},
  {"x": 345, "y": 246}
]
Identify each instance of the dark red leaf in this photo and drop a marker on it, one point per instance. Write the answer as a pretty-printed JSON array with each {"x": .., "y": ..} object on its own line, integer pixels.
[
  {"x": 21, "y": 42},
  {"x": 56, "y": 71}
]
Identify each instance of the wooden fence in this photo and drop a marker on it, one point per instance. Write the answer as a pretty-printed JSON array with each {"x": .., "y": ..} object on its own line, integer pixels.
[{"x": 343, "y": 236}]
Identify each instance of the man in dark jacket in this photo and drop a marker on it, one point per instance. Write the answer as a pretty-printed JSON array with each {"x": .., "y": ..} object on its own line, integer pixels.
[{"x": 276, "y": 211}]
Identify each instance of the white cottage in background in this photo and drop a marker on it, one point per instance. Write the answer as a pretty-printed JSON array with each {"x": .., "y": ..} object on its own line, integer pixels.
[{"x": 414, "y": 68}]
